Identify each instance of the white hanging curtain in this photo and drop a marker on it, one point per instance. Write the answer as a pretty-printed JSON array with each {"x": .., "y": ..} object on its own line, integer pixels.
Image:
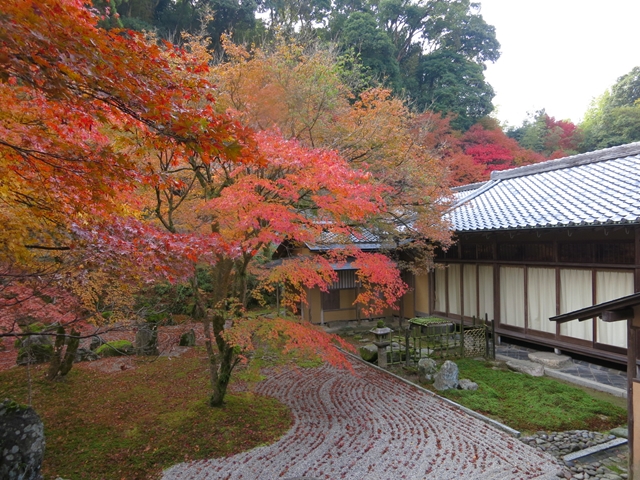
[
  {"x": 576, "y": 292},
  {"x": 469, "y": 285},
  {"x": 512, "y": 296},
  {"x": 541, "y": 292},
  {"x": 441, "y": 290},
  {"x": 485, "y": 285},
  {"x": 454, "y": 289},
  {"x": 610, "y": 286}
]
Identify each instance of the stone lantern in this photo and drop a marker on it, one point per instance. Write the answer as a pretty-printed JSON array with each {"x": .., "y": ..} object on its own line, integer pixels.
[{"x": 382, "y": 341}]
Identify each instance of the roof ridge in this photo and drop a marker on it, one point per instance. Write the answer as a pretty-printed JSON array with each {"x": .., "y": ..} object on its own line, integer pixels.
[
  {"x": 571, "y": 161},
  {"x": 476, "y": 193},
  {"x": 468, "y": 186}
]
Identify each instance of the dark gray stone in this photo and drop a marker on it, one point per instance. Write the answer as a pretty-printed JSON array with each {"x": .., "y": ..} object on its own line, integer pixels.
[
  {"x": 188, "y": 339},
  {"x": 86, "y": 355},
  {"x": 146, "y": 342},
  {"x": 447, "y": 376},
  {"x": 21, "y": 442}
]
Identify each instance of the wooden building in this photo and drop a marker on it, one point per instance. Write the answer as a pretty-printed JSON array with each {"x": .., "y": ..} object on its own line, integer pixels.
[
  {"x": 531, "y": 243},
  {"x": 337, "y": 305},
  {"x": 542, "y": 240}
]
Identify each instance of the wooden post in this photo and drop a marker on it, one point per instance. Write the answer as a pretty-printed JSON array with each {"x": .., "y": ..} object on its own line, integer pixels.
[
  {"x": 633, "y": 386},
  {"x": 493, "y": 336},
  {"x": 461, "y": 339},
  {"x": 406, "y": 343},
  {"x": 486, "y": 331}
]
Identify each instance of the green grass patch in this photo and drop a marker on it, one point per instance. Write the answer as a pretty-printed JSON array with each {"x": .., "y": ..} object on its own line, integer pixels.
[
  {"x": 133, "y": 424},
  {"x": 529, "y": 403}
]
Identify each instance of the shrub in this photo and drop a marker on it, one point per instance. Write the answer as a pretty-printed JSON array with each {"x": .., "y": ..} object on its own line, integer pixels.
[{"x": 35, "y": 353}]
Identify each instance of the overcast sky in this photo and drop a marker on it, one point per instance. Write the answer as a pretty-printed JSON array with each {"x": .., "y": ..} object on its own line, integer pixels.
[{"x": 559, "y": 54}]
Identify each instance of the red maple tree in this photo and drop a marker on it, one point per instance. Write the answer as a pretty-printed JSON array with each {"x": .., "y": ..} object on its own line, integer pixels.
[{"x": 116, "y": 167}]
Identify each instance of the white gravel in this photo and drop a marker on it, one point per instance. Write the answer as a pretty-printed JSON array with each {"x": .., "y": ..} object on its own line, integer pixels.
[{"x": 369, "y": 425}]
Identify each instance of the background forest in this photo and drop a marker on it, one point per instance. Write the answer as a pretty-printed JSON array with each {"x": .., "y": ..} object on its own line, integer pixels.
[{"x": 430, "y": 53}]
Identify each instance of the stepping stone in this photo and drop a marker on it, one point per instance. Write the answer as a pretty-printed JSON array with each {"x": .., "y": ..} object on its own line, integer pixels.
[
  {"x": 620, "y": 432},
  {"x": 525, "y": 366},
  {"x": 550, "y": 359}
]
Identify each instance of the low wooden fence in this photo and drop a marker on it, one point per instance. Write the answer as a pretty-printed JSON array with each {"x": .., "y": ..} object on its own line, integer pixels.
[{"x": 433, "y": 337}]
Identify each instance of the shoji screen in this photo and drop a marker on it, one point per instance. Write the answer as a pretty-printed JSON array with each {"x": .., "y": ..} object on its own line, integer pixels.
[{"x": 576, "y": 291}]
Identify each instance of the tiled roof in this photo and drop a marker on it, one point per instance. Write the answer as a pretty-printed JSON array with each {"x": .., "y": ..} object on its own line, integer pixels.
[
  {"x": 596, "y": 188},
  {"x": 363, "y": 239}
]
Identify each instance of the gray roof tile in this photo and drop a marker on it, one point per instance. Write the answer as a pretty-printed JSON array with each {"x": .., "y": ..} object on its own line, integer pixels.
[{"x": 596, "y": 188}]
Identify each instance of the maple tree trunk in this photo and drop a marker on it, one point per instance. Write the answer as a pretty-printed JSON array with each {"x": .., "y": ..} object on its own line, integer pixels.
[
  {"x": 222, "y": 358},
  {"x": 59, "y": 365},
  {"x": 70, "y": 354},
  {"x": 222, "y": 377},
  {"x": 56, "y": 359}
]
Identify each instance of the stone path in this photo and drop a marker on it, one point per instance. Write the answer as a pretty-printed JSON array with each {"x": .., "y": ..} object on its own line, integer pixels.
[
  {"x": 578, "y": 368},
  {"x": 370, "y": 425}
]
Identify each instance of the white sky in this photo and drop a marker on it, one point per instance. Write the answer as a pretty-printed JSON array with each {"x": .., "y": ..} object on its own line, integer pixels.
[{"x": 559, "y": 54}]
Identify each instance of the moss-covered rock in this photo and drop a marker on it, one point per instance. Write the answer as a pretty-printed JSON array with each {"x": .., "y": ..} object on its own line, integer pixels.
[
  {"x": 188, "y": 339},
  {"x": 116, "y": 348},
  {"x": 369, "y": 353}
]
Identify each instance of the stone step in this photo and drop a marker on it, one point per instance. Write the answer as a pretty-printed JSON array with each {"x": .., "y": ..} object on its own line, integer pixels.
[
  {"x": 550, "y": 359},
  {"x": 525, "y": 366}
]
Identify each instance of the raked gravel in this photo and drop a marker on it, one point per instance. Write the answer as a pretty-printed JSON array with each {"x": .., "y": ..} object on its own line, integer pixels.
[{"x": 368, "y": 425}]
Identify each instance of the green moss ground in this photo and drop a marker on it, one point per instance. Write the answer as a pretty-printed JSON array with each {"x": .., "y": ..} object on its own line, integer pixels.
[{"x": 134, "y": 423}]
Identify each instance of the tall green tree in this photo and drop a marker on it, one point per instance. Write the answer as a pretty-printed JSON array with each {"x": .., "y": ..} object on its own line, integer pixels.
[
  {"x": 440, "y": 48},
  {"x": 373, "y": 46},
  {"x": 614, "y": 117},
  {"x": 449, "y": 83}
]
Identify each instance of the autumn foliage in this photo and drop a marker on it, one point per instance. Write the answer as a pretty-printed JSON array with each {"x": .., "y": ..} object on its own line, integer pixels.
[{"x": 118, "y": 168}]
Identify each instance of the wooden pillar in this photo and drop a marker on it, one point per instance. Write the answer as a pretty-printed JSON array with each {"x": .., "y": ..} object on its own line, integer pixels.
[{"x": 633, "y": 395}]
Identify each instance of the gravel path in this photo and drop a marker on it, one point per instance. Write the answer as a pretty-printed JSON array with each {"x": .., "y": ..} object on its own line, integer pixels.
[{"x": 372, "y": 426}]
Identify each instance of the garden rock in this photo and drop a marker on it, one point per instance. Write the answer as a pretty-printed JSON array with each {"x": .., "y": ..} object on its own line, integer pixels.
[
  {"x": 550, "y": 359},
  {"x": 620, "y": 432},
  {"x": 96, "y": 341},
  {"x": 369, "y": 353},
  {"x": 396, "y": 352},
  {"x": 427, "y": 366},
  {"x": 85, "y": 355},
  {"x": 447, "y": 376},
  {"x": 466, "y": 384},
  {"x": 425, "y": 352},
  {"x": 35, "y": 349},
  {"x": 116, "y": 348},
  {"x": 147, "y": 339},
  {"x": 188, "y": 339},
  {"x": 21, "y": 442},
  {"x": 525, "y": 366}
]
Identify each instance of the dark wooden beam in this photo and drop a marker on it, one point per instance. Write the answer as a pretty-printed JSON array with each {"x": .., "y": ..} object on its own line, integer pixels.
[{"x": 617, "y": 315}]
